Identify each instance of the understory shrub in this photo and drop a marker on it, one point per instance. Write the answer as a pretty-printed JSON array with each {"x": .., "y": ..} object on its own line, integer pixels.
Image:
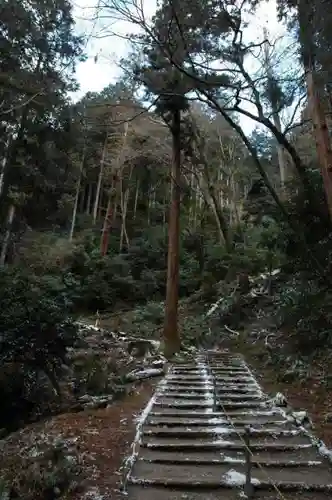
[
  {"x": 305, "y": 312},
  {"x": 36, "y": 330}
]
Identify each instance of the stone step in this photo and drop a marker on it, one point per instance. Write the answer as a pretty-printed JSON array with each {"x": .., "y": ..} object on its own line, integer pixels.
[
  {"x": 201, "y": 403},
  {"x": 222, "y": 378},
  {"x": 289, "y": 459},
  {"x": 287, "y": 444},
  {"x": 203, "y": 373},
  {"x": 225, "y": 432},
  {"x": 202, "y": 389},
  {"x": 234, "y": 373},
  {"x": 141, "y": 492},
  {"x": 193, "y": 476},
  {"x": 169, "y": 412},
  {"x": 213, "y": 422},
  {"x": 209, "y": 387},
  {"x": 203, "y": 383},
  {"x": 220, "y": 395},
  {"x": 232, "y": 366}
]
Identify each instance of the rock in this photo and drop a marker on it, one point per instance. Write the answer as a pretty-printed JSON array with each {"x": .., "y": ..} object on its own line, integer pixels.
[
  {"x": 279, "y": 400},
  {"x": 56, "y": 491},
  {"x": 288, "y": 377},
  {"x": 85, "y": 397},
  {"x": 143, "y": 374},
  {"x": 328, "y": 418}
]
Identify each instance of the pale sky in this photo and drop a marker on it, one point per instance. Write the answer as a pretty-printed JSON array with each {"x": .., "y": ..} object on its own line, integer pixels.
[{"x": 94, "y": 76}]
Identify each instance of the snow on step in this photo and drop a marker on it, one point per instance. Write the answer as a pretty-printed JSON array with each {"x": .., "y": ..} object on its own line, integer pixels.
[
  {"x": 139, "y": 492},
  {"x": 229, "y": 474},
  {"x": 190, "y": 441},
  {"x": 230, "y": 456},
  {"x": 228, "y": 396},
  {"x": 199, "y": 388},
  {"x": 205, "y": 421},
  {"x": 184, "y": 432},
  {"x": 207, "y": 403}
]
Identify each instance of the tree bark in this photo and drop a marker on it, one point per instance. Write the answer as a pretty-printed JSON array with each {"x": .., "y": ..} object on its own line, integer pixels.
[
  {"x": 78, "y": 187},
  {"x": 4, "y": 165},
  {"x": 136, "y": 199},
  {"x": 88, "y": 203},
  {"x": 106, "y": 228},
  {"x": 5, "y": 243},
  {"x": 100, "y": 178},
  {"x": 124, "y": 207},
  {"x": 322, "y": 139},
  {"x": 171, "y": 334},
  {"x": 282, "y": 160}
]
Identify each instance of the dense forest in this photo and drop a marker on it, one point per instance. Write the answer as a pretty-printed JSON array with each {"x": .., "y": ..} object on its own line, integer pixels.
[{"x": 152, "y": 188}]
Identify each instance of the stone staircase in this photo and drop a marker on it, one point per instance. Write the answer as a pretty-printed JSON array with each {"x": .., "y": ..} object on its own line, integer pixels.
[{"x": 193, "y": 441}]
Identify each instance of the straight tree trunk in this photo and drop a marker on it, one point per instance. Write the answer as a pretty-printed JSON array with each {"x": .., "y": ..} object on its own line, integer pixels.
[
  {"x": 4, "y": 165},
  {"x": 322, "y": 139},
  {"x": 124, "y": 194},
  {"x": 136, "y": 199},
  {"x": 78, "y": 187},
  {"x": 282, "y": 160},
  {"x": 82, "y": 198},
  {"x": 100, "y": 178},
  {"x": 5, "y": 243},
  {"x": 106, "y": 228},
  {"x": 88, "y": 203},
  {"x": 224, "y": 232},
  {"x": 149, "y": 205},
  {"x": 171, "y": 333},
  {"x": 124, "y": 209},
  {"x": 306, "y": 20}
]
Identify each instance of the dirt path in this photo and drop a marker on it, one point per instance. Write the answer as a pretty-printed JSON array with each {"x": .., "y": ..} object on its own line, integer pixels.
[{"x": 192, "y": 440}]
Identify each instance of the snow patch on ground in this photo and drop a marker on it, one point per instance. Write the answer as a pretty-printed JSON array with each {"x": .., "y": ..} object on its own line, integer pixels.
[
  {"x": 93, "y": 494},
  {"x": 214, "y": 307},
  {"x": 325, "y": 452},
  {"x": 148, "y": 372}
]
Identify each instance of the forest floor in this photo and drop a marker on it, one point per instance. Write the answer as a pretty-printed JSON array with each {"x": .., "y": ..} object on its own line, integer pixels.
[
  {"x": 101, "y": 438},
  {"x": 311, "y": 393}
]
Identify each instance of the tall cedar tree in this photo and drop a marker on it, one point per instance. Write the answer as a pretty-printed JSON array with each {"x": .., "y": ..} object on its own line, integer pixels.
[
  {"x": 312, "y": 21},
  {"x": 169, "y": 74}
]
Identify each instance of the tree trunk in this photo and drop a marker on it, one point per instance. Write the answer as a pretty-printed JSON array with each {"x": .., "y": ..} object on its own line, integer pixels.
[
  {"x": 4, "y": 165},
  {"x": 82, "y": 199},
  {"x": 322, "y": 139},
  {"x": 136, "y": 200},
  {"x": 124, "y": 195},
  {"x": 5, "y": 243},
  {"x": 149, "y": 205},
  {"x": 171, "y": 333},
  {"x": 100, "y": 178},
  {"x": 78, "y": 187},
  {"x": 106, "y": 228},
  {"x": 308, "y": 49},
  {"x": 282, "y": 160},
  {"x": 225, "y": 237},
  {"x": 124, "y": 207},
  {"x": 88, "y": 203}
]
